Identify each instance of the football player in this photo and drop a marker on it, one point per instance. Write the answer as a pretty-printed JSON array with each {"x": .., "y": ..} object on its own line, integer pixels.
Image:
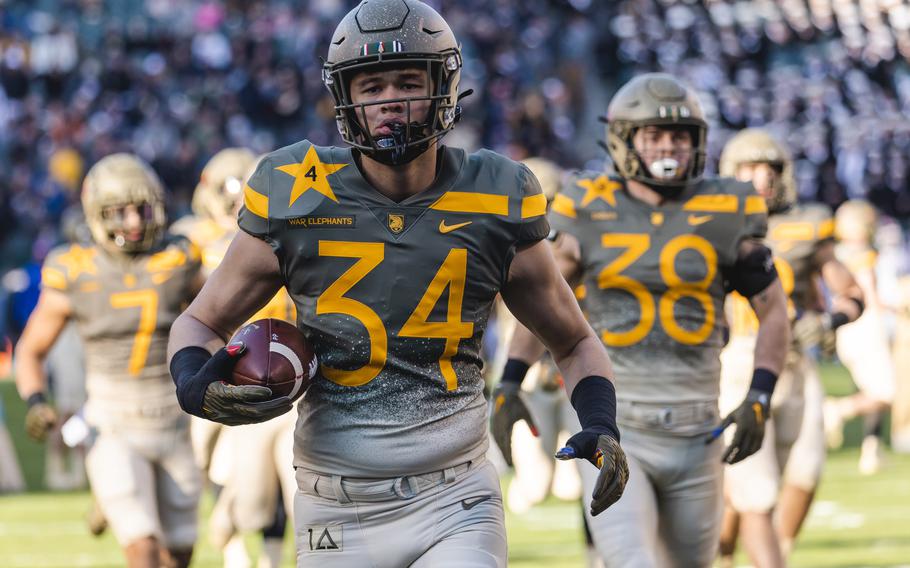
[
  {"x": 862, "y": 346},
  {"x": 394, "y": 251},
  {"x": 123, "y": 292},
  {"x": 656, "y": 248},
  {"x": 537, "y": 473},
  {"x": 800, "y": 237}
]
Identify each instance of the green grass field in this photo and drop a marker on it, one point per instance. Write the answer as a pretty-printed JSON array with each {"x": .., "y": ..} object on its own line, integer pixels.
[{"x": 856, "y": 521}]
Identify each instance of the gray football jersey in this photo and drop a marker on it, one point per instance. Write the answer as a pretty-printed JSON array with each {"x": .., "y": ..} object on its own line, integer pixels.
[
  {"x": 654, "y": 278},
  {"x": 394, "y": 297},
  {"x": 123, "y": 308},
  {"x": 794, "y": 236}
]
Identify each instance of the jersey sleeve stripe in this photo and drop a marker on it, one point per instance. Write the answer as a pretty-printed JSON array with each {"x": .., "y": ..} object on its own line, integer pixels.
[
  {"x": 802, "y": 231},
  {"x": 533, "y": 206},
  {"x": 826, "y": 229},
  {"x": 723, "y": 203},
  {"x": 53, "y": 278},
  {"x": 755, "y": 204},
  {"x": 464, "y": 202},
  {"x": 255, "y": 202},
  {"x": 564, "y": 206}
]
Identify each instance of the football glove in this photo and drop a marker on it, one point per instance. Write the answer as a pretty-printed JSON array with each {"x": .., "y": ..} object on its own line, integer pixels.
[
  {"x": 604, "y": 451},
  {"x": 40, "y": 418},
  {"x": 750, "y": 419},
  {"x": 508, "y": 408},
  {"x": 236, "y": 404}
]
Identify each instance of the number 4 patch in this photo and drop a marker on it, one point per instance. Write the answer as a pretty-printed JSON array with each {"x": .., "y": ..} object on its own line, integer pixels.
[{"x": 325, "y": 538}]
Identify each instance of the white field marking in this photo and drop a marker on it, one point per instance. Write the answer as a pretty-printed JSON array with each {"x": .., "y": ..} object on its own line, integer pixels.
[
  {"x": 831, "y": 514},
  {"x": 292, "y": 357},
  {"x": 60, "y": 560}
]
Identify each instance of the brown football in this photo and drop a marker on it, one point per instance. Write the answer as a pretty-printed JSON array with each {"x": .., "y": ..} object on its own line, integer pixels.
[{"x": 277, "y": 356}]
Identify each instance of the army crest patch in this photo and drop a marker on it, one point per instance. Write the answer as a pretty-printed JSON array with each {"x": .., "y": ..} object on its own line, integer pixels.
[{"x": 396, "y": 223}]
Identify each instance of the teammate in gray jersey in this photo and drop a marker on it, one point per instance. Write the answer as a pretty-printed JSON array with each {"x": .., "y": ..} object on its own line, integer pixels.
[
  {"x": 394, "y": 251},
  {"x": 657, "y": 248},
  {"x": 123, "y": 292}
]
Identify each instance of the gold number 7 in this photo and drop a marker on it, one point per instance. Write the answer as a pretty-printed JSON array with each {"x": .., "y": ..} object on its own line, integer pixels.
[{"x": 147, "y": 302}]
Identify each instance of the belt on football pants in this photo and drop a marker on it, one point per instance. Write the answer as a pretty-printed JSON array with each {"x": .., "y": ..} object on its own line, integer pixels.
[
  {"x": 350, "y": 489},
  {"x": 667, "y": 416}
]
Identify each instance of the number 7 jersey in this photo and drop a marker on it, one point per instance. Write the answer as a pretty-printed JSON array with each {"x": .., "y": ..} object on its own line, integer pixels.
[
  {"x": 654, "y": 278},
  {"x": 395, "y": 297}
]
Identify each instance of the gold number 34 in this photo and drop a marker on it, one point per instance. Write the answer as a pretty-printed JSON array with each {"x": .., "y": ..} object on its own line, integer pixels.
[{"x": 369, "y": 256}]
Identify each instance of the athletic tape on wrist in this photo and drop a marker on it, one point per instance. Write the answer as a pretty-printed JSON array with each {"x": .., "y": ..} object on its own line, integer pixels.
[
  {"x": 594, "y": 400},
  {"x": 514, "y": 371},
  {"x": 185, "y": 365},
  {"x": 763, "y": 380}
]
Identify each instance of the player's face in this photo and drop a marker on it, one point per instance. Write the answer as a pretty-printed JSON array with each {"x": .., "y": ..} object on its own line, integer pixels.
[
  {"x": 383, "y": 91},
  {"x": 127, "y": 222},
  {"x": 666, "y": 152},
  {"x": 762, "y": 175},
  {"x": 232, "y": 189}
]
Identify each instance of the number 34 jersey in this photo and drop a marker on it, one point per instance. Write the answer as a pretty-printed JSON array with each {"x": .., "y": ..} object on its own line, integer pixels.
[
  {"x": 124, "y": 307},
  {"x": 395, "y": 297},
  {"x": 654, "y": 278}
]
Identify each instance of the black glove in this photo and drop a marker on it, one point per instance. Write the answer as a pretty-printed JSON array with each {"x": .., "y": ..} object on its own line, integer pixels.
[
  {"x": 230, "y": 404},
  {"x": 40, "y": 418},
  {"x": 604, "y": 451},
  {"x": 750, "y": 419},
  {"x": 508, "y": 408}
]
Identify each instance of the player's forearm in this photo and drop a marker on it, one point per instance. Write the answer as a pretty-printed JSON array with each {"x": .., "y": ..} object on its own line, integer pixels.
[
  {"x": 773, "y": 331},
  {"x": 29, "y": 372},
  {"x": 588, "y": 357},
  {"x": 188, "y": 331},
  {"x": 525, "y": 346}
]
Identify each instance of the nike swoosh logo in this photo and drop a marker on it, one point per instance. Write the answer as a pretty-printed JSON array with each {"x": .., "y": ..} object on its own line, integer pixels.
[
  {"x": 443, "y": 228},
  {"x": 699, "y": 219},
  {"x": 470, "y": 503}
]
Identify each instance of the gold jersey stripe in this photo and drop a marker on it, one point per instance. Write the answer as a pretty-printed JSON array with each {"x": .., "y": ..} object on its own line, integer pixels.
[
  {"x": 802, "y": 231},
  {"x": 826, "y": 229},
  {"x": 564, "y": 206},
  {"x": 53, "y": 278},
  {"x": 755, "y": 204},
  {"x": 723, "y": 203},
  {"x": 255, "y": 202},
  {"x": 464, "y": 202},
  {"x": 533, "y": 206},
  {"x": 166, "y": 260}
]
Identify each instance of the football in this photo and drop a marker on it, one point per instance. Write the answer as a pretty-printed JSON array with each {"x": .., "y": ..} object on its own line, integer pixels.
[{"x": 277, "y": 356}]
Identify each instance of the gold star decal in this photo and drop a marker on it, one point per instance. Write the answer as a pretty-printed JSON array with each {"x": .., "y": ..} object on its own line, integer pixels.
[
  {"x": 600, "y": 188},
  {"x": 309, "y": 174},
  {"x": 78, "y": 260}
]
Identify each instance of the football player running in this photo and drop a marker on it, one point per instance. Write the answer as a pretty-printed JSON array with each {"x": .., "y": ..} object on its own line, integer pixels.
[
  {"x": 123, "y": 292},
  {"x": 655, "y": 248},
  {"x": 800, "y": 236},
  {"x": 394, "y": 251},
  {"x": 862, "y": 346}
]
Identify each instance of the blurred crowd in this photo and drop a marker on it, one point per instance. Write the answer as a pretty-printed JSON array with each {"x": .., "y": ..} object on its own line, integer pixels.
[{"x": 175, "y": 81}]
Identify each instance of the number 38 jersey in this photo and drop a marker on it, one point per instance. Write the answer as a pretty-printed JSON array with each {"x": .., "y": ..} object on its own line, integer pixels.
[
  {"x": 395, "y": 297},
  {"x": 654, "y": 278},
  {"x": 124, "y": 307}
]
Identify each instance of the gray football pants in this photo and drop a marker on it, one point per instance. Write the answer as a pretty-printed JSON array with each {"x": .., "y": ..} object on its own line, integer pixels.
[
  {"x": 445, "y": 519},
  {"x": 670, "y": 512}
]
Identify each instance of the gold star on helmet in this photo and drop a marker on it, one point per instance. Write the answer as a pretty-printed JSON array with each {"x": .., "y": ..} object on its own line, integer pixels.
[
  {"x": 309, "y": 174},
  {"x": 600, "y": 188}
]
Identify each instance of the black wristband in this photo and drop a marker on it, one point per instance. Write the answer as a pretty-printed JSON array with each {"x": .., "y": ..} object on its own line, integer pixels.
[
  {"x": 514, "y": 371},
  {"x": 838, "y": 319},
  {"x": 36, "y": 398},
  {"x": 763, "y": 380},
  {"x": 594, "y": 399},
  {"x": 185, "y": 365}
]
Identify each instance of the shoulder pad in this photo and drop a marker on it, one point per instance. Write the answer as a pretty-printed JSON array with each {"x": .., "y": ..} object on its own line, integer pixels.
[{"x": 66, "y": 264}]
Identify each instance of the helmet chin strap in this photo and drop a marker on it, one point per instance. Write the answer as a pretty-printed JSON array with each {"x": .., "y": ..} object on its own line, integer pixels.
[{"x": 399, "y": 151}]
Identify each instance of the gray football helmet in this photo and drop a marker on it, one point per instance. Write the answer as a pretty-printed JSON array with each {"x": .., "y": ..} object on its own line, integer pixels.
[{"x": 379, "y": 33}]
